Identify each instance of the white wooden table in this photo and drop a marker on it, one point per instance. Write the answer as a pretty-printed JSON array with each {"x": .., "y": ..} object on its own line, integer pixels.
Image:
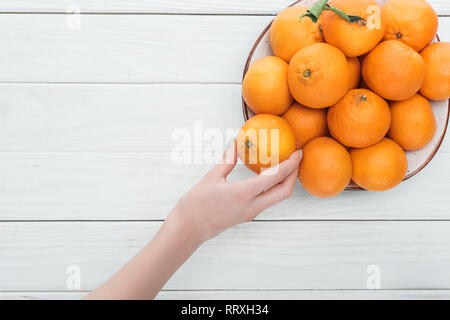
[{"x": 88, "y": 105}]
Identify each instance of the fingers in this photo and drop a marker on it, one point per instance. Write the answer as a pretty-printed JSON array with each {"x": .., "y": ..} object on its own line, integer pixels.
[
  {"x": 227, "y": 164},
  {"x": 271, "y": 177},
  {"x": 276, "y": 194}
]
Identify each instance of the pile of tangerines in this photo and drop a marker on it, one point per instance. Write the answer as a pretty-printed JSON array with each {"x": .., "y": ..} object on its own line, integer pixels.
[{"x": 350, "y": 127}]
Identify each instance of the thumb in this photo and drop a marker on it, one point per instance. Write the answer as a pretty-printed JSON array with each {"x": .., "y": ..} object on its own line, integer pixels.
[{"x": 226, "y": 165}]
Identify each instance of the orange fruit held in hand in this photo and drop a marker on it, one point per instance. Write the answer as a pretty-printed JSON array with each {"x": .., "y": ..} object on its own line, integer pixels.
[
  {"x": 360, "y": 119},
  {"x": 413, "y": 123},
  {"x": 414, "y": 22},
  {"x": 265, "y": 88},
  {"x": 318, "y": 75},
  {"x": 380, "y": 167},
  {"x": 264, "y": 141},
  {"x": 355, "y": 72},
  {"x": 394, "y": 71},
  {"x": 354, "y": 39},
  {"x": 326, "y": 167},
  {"x": 289, "y": 33},
  {"x": 437, "y": 79},
  {"x": 307, "y": 123}
]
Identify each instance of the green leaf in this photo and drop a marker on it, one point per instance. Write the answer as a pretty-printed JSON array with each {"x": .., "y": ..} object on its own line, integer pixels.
[
  {"x": 316, "y": 10},
  {"x": 343, "y": 15}
]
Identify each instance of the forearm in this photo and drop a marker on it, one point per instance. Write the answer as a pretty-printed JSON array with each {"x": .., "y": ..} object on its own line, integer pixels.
[
  {"x": 145, "y": 275},
  {"x": 208, "y": 209}
]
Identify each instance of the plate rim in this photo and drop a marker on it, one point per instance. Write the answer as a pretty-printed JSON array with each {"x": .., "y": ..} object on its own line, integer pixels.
[{"x": 349, "y": 188}]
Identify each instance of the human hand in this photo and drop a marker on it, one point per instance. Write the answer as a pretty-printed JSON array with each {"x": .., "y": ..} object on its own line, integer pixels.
[
  {"x": 207, "y": 210},
  {"x": 215, "y": 204}
]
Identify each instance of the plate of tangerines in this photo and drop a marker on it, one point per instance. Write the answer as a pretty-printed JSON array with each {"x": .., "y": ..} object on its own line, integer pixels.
[{"x": 361, "y": 86}]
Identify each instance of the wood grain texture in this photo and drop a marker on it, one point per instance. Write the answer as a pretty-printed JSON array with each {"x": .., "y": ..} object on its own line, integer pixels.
[
  {"x": 97, "y": 151},
  {"x": 62, "y": 295},
  {"x": 126, "y": 49},
  {"x": 117, "y": 118},
  {"x": 166, "y": 6},
  {"x": 130, "y": 48},
  {"x": 254, "y": 295},
  {"x": 256, "y": 256},
  {"x": 113, "y": 118},
  {"x": 132, "y": 186},
  {"x": 308, "y": 295},
  {"x": 105, "y": 153}
]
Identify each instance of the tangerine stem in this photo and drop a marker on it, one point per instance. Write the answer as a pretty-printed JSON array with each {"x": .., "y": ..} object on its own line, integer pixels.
[{"x": 316, "y": 11}]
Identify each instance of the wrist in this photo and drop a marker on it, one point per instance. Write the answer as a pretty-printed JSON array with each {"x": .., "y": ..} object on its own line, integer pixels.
[{"x": 184, "y": 230}]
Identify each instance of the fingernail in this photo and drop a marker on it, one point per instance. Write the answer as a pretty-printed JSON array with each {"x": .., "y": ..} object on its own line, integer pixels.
[
  {"x": 228, "y": 155},
  {"x": 271, "y": 171}
]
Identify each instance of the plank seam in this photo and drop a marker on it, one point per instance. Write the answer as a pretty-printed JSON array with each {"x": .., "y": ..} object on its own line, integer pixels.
[
  {"x": 92, "y": 13},
  {"x": 242, "y": 290},
  {"x": 118, "y": 83},
  {"x": 255, "y": 221},
  {"x": 152, "y": 14}
]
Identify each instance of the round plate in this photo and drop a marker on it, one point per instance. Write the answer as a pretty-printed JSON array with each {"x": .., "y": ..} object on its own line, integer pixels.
[{"x": 417, "y": 160}]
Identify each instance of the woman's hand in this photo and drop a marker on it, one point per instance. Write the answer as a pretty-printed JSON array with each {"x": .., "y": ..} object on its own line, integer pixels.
[
  {"x": 210, "y": 208},
  {"x": 215, "y": 204}
]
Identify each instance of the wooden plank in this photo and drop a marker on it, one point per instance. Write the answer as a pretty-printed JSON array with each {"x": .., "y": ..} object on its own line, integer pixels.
[
  {"x": 117, "y": 118},
  {"x": 308, "y": 295},
  {"x": 131, "y": 186},
  {"x": 63, "y": 295},
  {"x": 113, "y": 118},
  {"x": 254, "y": 295},
  {"x": 126, "y": 48},
  {"x": 125, "y": 135},
  {"x": 267, "y": 255},
  {"x": 165, "y": 6},
  {"x": 130, "y": 48}
]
